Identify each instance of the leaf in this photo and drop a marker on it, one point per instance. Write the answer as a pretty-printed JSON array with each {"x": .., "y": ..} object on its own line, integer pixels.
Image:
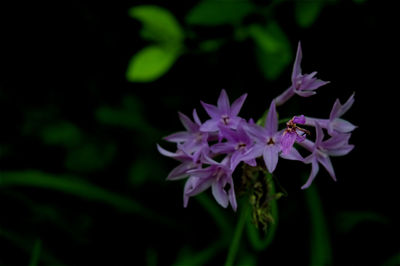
[
  {"x": 150, "y": 63},
  {"x": 77, "y": 186},
  {"x": 217, "y": 12},
  {"x": 63, "y": 133},
  {"x": 89, "y": 156},
  {"x": 273, "y": 50},
  {"x": 306, "y": 12},
  {"x": 158, "y": 23}
]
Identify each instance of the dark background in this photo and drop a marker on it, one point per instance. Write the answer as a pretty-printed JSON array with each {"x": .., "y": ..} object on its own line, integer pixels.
[{"x": 67, "y": 109}]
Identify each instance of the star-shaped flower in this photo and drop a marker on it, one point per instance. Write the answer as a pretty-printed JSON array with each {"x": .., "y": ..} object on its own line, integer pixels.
[
  {"x": 302, "y": 84},
  {"x": 268, "y": 139},
  {"x": 223, "y": 115},
  {"x": 335, "y": 124},
  {"x": 218, "y": 176},
  {"x": 336, "y": 145},
  {"x": 239, "y": 146}
]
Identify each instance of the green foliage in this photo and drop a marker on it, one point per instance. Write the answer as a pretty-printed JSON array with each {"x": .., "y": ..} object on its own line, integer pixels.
[
  {"x": 36, "y": 253},
  {"x": 306, "y": 12},
  {"x": 219, "y": 12},
  {"x": 158, "y": 24},
  {"x": 150, "y": 63},
  {"x": 62, "y": 133},
  {"x": 153, "y": 61},
  {"x": 346, "y": 221},
  {"x": 273, "y": 51},
  {"x": 89, "y": 156},
  {"x": 77, "y": 186}
]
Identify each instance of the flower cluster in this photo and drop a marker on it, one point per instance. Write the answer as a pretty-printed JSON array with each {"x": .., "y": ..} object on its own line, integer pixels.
[{"x": 210, "y": 151}]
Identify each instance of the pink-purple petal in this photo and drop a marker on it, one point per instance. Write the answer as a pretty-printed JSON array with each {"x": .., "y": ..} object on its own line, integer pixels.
[
  {"x": 219, "y": 193},
  {"x": 223, "y": 102},
  {"x": 314, "y": 171},
  {"x": 237, "y": 105}
]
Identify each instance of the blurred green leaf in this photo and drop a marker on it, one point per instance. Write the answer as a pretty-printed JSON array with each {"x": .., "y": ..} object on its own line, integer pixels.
[
  {"x": 188, "y": 257},
  {"x": 150, "y": 63},
  {"x": 273, "y": 50},
  {"x": 247, "y": 259},
  {"x": 219, "y": 12},
  {"x": 347, "y": 220},
  {"x": 63, "y": 133},
  {"x": 143, "y": 171},
  {"x": 393, "y": 261},
  {"x": 78, "y": 187},
  {"x": 306, "y": 12},
  {"x": 36, "y": 253},
  {"x": 89, "y": 156},
  {"x": 25, "y": 244},
  {"x": 158, "y": 23},
  {"x": 130, "y": 116},
  {"x": 320, "y": 251}
]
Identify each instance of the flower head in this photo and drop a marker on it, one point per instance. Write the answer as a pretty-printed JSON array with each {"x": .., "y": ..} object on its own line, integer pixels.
[
  {"x": 293, "y": 133},
  {"x": 223, "y": 115},
  {"x": 267, "y": 139},
  {"x": 239, "y": 146},
  {"x": 218, "y": 176},
  {"x": 336, "y": 145},
  {"x": 335, "y": 124},
  {"x": 302, "y": 84},
  {"x": 192, "y": 142}
]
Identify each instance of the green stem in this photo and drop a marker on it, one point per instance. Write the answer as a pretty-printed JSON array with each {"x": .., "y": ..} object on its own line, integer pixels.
[
  {"x": 230, "y": 259},
  {"x": 321, "y": 253},
  {"x": 36, "y": 253},
  {"x": 215, "y": 212}
]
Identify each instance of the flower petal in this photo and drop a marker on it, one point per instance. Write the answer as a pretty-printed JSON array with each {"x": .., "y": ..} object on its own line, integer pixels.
[
  {"x": 210, "y": 126},
  {"x": 271, "y": 121},
  {"x": 342, "y": 125},
  {"x": 237, "y": 105},
  {"x": 271, "y": 157},
  {"x": 314, "y": 171},
  {"x": 223, "y": 102},
  {"x": 178, "y": 137},
  {"x": 296, "y": 66},
  {"x": 219, "y": 193},
  {"x": 231, "y": 194},
  {"x": 299, "y": 120},
  {"x": 287, "y": 142},
  {"x": 196, "y": 117},
  {"x": 347, "y": 105},
  {"x": 187, "y": 123},
  {"x": 181, "y": 171},
  {"x": 326, "y": 162},
  {"x": 211, "y": 110}
]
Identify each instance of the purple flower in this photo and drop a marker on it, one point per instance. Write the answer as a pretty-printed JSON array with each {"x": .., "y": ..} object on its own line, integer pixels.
[
  {"x": 302, "y": 84},
  {"x": 217, "y": 176},
  {"x": 223, "y": 115},
  {"x": 181, "y": 171},
  {"x": 239, "y": 146},
  {"x": 193, "y": 141},
  {"x": 336, "y": 145},
  {"x": 293, "y": 133},
  {"x": 267, "y": 139},
  {"x": 335, "y": 124}
]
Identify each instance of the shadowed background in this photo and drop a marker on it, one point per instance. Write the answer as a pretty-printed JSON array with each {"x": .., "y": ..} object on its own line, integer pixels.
[{"x": 87, "y": 90}]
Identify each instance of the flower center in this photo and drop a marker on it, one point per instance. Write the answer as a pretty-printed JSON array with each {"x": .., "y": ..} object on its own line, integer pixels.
[
  {"x": 271, "y": 141},
  {"x": 225, "y": 119},
  {"x": 241, "y": 146}
]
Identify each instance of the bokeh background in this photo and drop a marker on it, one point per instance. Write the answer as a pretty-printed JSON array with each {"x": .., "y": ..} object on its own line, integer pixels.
[{"x": 88, "y": 89}]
